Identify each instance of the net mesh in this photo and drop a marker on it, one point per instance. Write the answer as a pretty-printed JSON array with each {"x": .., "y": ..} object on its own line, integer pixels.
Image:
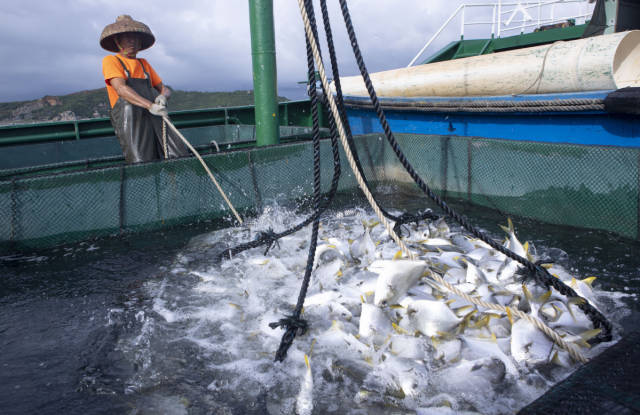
[{"x": 582, "y": 186}]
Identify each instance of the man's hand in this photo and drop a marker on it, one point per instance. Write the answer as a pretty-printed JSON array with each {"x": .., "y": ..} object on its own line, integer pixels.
[
  {"x": 159, "y": 110},
  {"x": 161, "y": 100}
]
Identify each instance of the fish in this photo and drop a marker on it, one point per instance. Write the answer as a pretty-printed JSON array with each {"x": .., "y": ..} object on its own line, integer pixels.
[
  {"x": 395, "y": 278},
  {"x": 439, "y": 228},
  {"x": 529, "y": 345},
  {"x": 304, "y": 400},
  {"x": 363, "y": 249},
  {"x": 479, "y": 374},
  {"x": 430, "y": 317},
  {"x": 409, "y": 347},
  {"x": 479, "y": 347},
  {"x": 374, "y": 323}
]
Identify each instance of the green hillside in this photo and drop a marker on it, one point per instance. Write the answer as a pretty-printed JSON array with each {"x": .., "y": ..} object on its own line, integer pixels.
[{"x": 93, "y": 104}]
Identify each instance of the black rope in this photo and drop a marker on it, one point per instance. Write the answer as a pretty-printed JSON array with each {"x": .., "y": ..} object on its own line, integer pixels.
[
  {"x": 399, "y": 220},
  {"x": 536, "y": 272},
  {"x": 294, "y": 323}
]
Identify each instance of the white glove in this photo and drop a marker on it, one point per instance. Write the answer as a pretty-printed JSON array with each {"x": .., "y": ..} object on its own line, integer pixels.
[
  {"x": 159, "y": 110},
  {"x": 161, "y": 100}
]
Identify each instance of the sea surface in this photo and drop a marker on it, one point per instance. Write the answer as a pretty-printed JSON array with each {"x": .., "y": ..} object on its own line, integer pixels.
[{"x": 150, "y": 324}]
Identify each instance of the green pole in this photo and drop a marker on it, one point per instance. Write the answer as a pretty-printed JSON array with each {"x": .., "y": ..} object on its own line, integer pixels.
[{"x": 263, "y": 56}]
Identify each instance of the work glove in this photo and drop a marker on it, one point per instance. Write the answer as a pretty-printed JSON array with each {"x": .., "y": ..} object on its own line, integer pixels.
[
  {"x": 159, "y": 110},
  {"x": 161, "y": 100}
]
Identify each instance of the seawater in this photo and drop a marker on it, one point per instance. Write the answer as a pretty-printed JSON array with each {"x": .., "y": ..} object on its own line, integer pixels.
[{"x": 149, "y": 324}]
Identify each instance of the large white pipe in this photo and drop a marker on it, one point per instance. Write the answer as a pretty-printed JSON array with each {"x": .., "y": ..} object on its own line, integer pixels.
[{"x": 596, "y": 63}]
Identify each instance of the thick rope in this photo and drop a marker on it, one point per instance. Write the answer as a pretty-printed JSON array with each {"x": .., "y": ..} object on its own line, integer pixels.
[
  {"x": 269, "y": 238},
  {"x": 540, "y": 274},
  {"x": 213, "y": 179},
  {"x": 536, "y": 322},
  {"x": 486, "y": 106},
  {"x": 405, "y": 217},
  {"x": 164, "y": 139},
  {"x": 294, "y": 323}
]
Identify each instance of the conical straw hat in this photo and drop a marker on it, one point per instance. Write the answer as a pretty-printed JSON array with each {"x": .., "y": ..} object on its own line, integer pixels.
[{"x": 124, "y": 24}]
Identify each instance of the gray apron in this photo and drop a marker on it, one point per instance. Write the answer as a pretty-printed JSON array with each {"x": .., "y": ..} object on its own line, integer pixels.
[{"x": 139, "y": 131}]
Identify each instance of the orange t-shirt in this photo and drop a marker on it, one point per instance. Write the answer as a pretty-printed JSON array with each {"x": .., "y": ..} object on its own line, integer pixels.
[{"x": 111, "y": 68}]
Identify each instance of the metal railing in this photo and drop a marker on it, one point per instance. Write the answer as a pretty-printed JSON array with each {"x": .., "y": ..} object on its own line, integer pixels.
[{"x": 504, "y": 13}]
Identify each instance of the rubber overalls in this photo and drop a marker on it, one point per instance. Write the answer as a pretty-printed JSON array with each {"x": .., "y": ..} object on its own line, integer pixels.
[{"x": 139, "y": 131}]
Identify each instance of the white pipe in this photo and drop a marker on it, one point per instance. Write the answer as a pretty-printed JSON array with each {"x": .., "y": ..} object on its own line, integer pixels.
[{"x": 596, "y": 63}]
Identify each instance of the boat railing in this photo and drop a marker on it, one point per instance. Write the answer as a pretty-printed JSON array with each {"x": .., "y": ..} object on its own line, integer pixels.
[{"x": 511, "y": 16}]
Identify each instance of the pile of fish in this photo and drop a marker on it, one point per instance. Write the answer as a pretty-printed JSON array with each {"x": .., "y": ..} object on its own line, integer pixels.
[{"x": 383, "y": 334}]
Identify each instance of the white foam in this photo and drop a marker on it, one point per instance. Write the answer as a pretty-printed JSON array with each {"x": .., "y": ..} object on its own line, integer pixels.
[{"x": 237, "y": 300}]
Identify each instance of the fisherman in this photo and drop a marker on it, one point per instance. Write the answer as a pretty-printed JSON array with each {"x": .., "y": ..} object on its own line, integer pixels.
[{"x": 137, "y": 95}]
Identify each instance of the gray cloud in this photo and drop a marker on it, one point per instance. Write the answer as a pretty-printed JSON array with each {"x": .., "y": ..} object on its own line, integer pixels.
[{"x": 201, "y": 45}]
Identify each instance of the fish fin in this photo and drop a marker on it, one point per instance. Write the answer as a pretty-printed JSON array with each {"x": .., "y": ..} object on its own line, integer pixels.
[
  {"x": 576, "y": 300},
  {"x": 544, "y": 297},
  {"x": 398, "y": 255},
  {"x": 484, "y": 321},
  {"x": 589, "y": 280},
  {"x": 460, "y": 310},
  {"x": 313, "y": 342},
  {"x": 362, "y": 299},
  {"x": 526, "y": 248},
  {"x": 306, "y": 362},
  {"x": 527, "y": 293},
  {"x": 509, "y": 316},
  {"x": 399, "y": 329},
  {"x": 547, "y": 266},
  {"x": 504, "y": 228},
  {"x": 590, "y": 334}
]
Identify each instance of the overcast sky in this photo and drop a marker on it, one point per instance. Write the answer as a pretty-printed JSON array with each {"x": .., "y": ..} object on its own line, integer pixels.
[{"x": 51, "y": 47}]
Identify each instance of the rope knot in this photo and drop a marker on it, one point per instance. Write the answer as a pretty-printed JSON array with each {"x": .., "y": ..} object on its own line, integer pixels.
[
  {"x": 292, "y": 324},
  {"x": 270, "y": 237},
  {"x": 407, "y": 218}
]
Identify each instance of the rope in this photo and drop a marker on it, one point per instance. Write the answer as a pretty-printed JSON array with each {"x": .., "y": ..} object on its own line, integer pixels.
[
  {"x": 561, "y": 105},
  {"x": 164, "y": 138},
  {"x": 540, "y": 274},
  {"x": 399, "y": 220},
  {"x": 537, "y": 323},
  {"x": 213, "y": 179},
  {"x": 270, "y": 237},
  {"x": 293, "y": 323}
]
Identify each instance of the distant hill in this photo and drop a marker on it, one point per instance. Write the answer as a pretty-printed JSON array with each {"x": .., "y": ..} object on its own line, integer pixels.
[{"x": 93, "y": 104}]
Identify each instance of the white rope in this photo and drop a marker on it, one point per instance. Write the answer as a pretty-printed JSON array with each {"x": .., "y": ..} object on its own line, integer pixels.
[
  {"x": 572, "y": 349},
  {"x": 164, "y": 139},
  {"x": 213, "y": 179}
]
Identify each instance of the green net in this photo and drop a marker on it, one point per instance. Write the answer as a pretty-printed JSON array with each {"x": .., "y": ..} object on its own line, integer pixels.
[{"x": 553, "y": 183}]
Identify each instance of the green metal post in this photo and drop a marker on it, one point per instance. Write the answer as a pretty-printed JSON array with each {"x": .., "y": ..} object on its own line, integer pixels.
[{"x": 263, "y": 56}]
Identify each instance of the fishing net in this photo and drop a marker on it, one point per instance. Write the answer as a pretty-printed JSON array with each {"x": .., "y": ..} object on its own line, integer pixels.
[{"x": 582, "y": 186}]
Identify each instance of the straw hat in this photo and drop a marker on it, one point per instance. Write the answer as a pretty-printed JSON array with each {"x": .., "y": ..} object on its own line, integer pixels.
[{"x": 124, "y": 24}]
